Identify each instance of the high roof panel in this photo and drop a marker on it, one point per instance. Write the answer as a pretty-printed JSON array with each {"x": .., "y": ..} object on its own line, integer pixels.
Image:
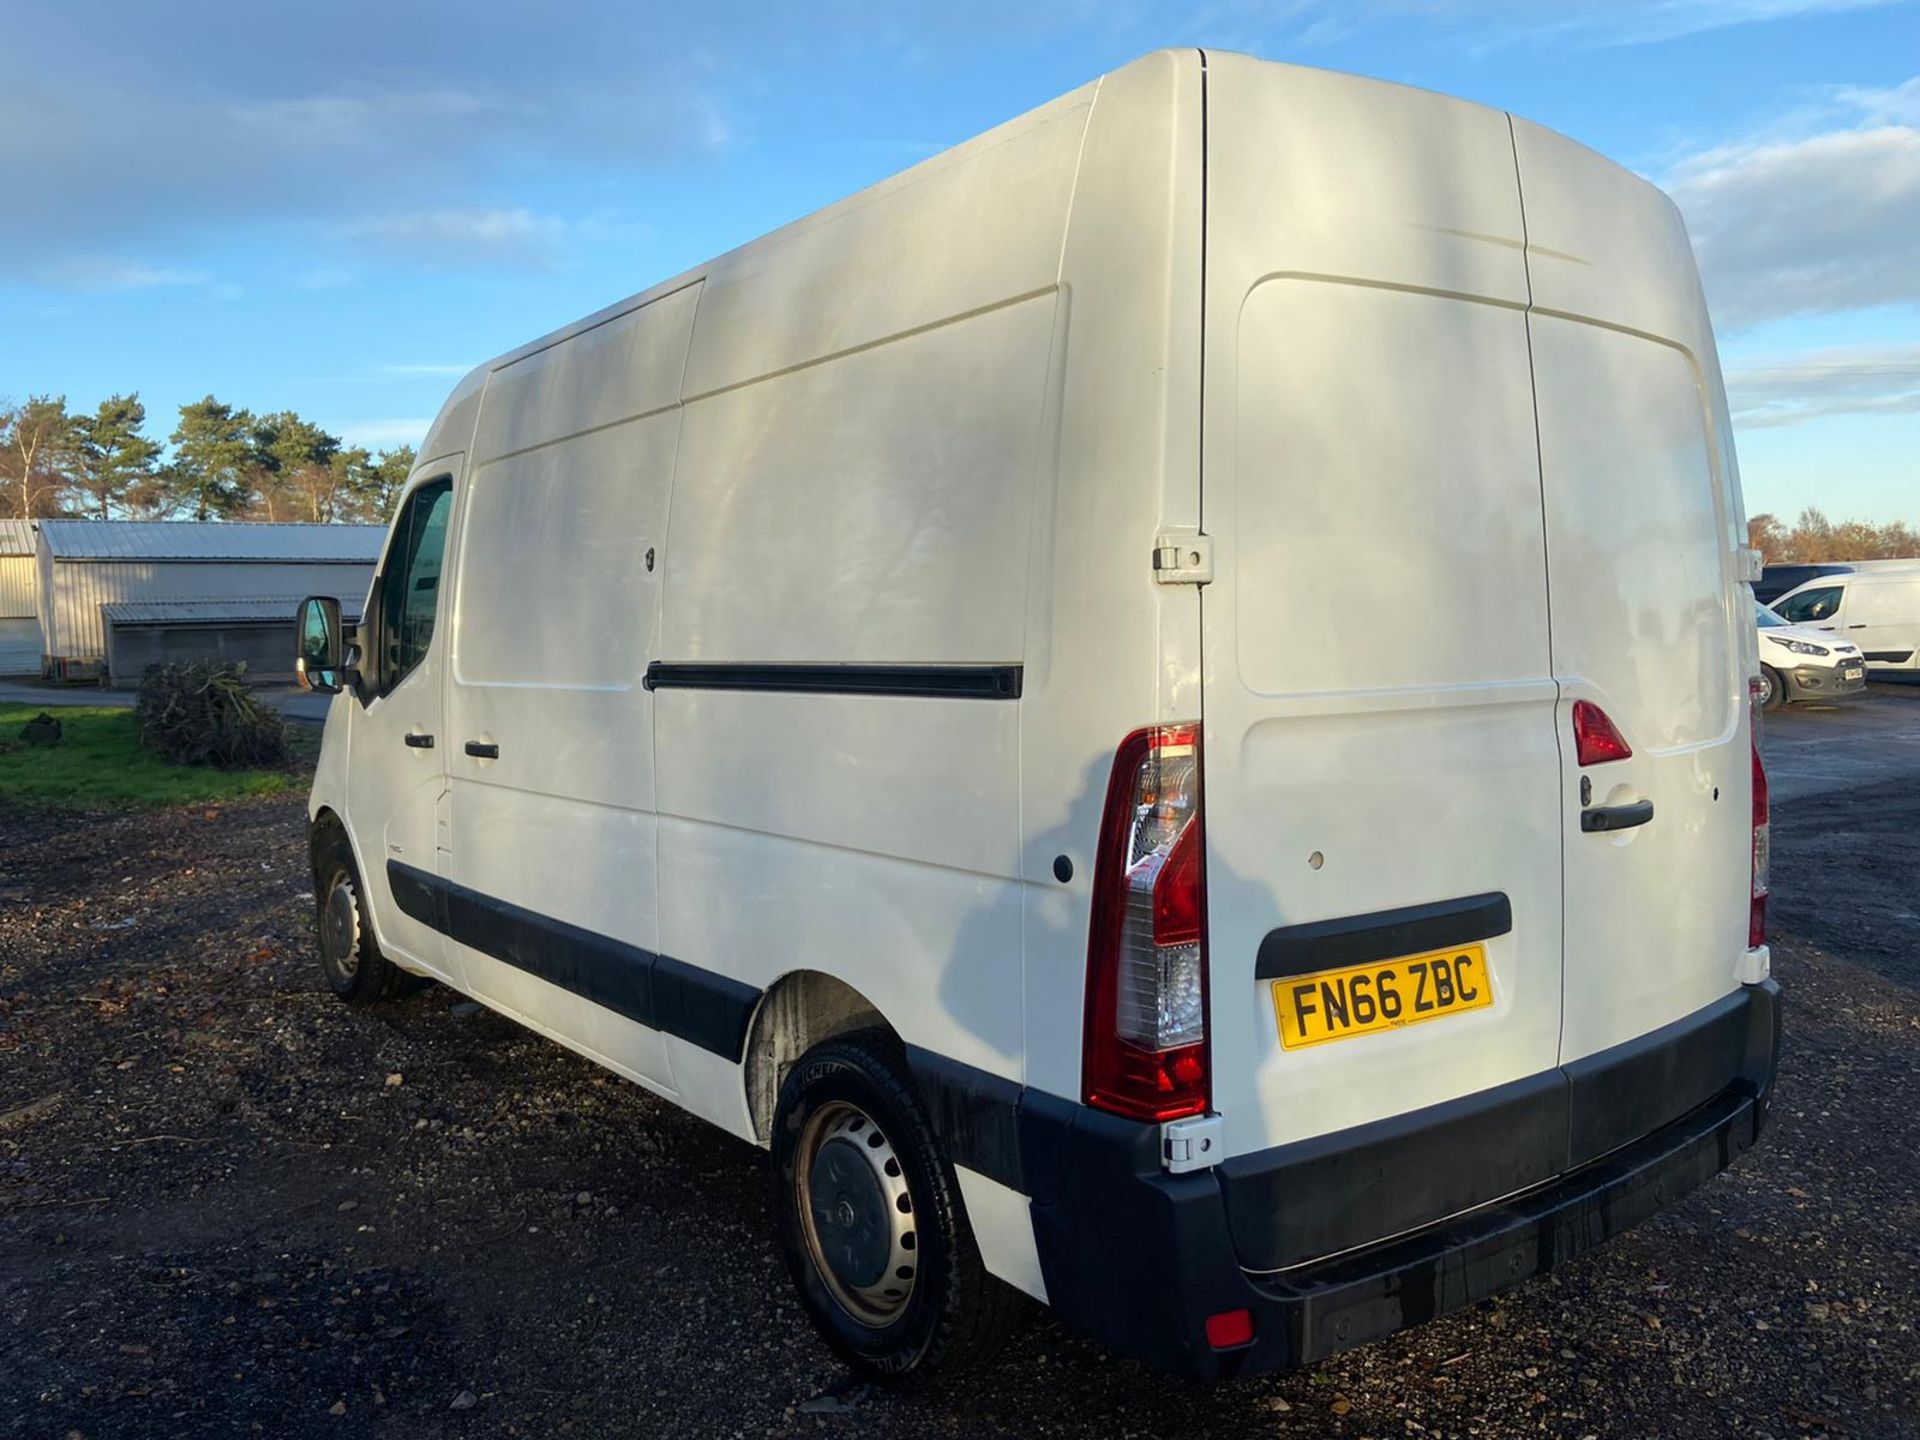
[{"x": 210, "y": 540}]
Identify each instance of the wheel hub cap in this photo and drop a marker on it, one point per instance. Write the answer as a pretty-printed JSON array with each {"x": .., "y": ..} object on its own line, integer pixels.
[
  {"x": 340, "y": 927},
  {"x": 858, "y": 1216}
]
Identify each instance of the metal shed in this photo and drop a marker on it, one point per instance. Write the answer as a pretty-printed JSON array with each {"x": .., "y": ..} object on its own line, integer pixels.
[
  {"x": 86, "y": 565},
  {"x": 256, "y": 631},
  {"x": 19, "y": 615}
]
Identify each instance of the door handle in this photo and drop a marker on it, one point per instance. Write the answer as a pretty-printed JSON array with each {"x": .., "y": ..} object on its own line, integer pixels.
[
  {"x": 1616, "y": 817},
  {"x": 483, "y": 752},
  {"x": 1861, "y": 626},
  {"x": 418, "y": 741}
]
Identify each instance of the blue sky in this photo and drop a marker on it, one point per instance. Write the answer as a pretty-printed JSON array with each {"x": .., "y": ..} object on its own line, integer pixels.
[{"x": 337, "y": 209}]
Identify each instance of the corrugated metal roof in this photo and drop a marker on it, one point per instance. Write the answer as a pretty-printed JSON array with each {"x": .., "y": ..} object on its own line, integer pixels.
[
  {"x": 210, "y": 540},
  {"x": 214, "y": 612},
  {"x": 16, "y": 537}
]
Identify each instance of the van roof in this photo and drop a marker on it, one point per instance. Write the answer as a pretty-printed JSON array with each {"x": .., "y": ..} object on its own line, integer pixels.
[{"x": 435, "y": 444}]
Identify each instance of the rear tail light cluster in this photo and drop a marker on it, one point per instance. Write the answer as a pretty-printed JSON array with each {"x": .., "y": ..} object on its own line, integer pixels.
[
  {"x": 1596, "y": 739},
  {"x": 1146, "y": 1026},
  {"x": 1762, "y": 831}
]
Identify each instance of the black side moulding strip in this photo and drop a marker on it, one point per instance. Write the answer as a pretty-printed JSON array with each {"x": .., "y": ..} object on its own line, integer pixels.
[
  {"x": 699, "y": 1006},
  {"x": 939, "y": 682}
]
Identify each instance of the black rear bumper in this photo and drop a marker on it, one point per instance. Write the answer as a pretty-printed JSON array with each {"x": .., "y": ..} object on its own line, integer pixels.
[{"x": 1139, "y": 1258}]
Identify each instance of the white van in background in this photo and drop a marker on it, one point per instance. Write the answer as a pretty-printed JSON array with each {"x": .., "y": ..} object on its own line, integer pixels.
[
  {"x": 1110, "y": 701},
  {"x": 1876, "y": 608}
]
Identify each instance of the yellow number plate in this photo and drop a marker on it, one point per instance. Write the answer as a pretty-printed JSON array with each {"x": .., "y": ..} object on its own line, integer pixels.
[{"x": 1339, "y": 1004}]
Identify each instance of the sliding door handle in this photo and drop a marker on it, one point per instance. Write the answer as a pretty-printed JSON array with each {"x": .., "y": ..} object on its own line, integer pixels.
[
  {"x": 483, "y": 751},
  {"x": 417, "y": 741},
  {"x": 1616, "y": 817}
]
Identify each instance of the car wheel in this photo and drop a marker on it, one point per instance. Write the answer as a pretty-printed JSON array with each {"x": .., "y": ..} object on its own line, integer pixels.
[
  {"x": 356, "y": 971},
  {"x": 871, "y": 1221},
  {"x": 1773, "y": 690}
]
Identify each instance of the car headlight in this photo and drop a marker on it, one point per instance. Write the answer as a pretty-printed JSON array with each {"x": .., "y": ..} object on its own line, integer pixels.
[{"x": 1800, "y": 647}]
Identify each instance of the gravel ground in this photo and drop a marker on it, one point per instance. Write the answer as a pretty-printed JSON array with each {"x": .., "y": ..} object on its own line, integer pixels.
[
  {"x": 1846, "y": 826},
  {"x": 229, "y": 1205}
]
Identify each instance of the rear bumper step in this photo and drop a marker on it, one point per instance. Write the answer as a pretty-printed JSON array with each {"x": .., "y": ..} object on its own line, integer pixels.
[{"x": 1139, "y": 1258}]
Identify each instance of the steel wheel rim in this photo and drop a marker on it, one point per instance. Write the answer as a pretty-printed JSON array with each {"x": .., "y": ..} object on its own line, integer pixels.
[
  {"x": 856, "y": 1214},
  {"x": 340, "y": 927}
]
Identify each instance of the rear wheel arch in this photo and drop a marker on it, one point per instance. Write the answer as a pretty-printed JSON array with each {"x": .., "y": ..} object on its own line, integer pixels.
[{"x": 799, "y": 1011}]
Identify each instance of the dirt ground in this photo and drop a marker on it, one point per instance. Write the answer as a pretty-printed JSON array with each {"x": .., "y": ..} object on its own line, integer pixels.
[{"x": 231, "y": 1206}]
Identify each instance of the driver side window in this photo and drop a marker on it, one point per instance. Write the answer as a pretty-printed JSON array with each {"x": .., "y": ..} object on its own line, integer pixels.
[
  {"x": 410, "y": 585},
  {"x": 1812, "y": 605}
]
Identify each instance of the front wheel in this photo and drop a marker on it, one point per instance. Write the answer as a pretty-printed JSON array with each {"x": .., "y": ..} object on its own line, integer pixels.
[
  {"x": 871, "y": 1221},
  {"x": 356, "y": 971},
  {"x": 1773, "y": 690}
]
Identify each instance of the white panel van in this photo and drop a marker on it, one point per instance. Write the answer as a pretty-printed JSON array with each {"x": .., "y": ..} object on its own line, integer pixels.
[
  {"x": 1876, "y": 608},
  {"x": 1159, "y": 706}
]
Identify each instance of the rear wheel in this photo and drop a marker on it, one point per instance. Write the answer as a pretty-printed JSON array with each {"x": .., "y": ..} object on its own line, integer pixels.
[
  {"x": 1773, "y": 690},
  {"x": 871, "y": 1222},
  {"x": 356, "y": 971}
]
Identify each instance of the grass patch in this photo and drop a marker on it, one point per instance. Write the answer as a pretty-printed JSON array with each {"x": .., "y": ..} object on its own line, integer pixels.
[{"x": 99, "y": 764}]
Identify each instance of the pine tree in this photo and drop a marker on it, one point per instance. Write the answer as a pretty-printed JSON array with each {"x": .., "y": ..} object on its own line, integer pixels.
[
  {"x": 114, "y": 463},
  {"x": 214, "y": 460}
]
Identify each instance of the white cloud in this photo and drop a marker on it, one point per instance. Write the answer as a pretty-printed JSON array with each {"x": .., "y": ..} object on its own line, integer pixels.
[
  {"x": 96, "y": 273},
  {"x": 1822, "y": 220},
  {"x": 456, "y": 239},
  {"x": 1844, "y": 380},
  {"x": 180, "y": 137}
]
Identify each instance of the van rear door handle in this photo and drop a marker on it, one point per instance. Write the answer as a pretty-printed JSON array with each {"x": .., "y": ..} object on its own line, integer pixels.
[
  {"x": 1616, "y": 817},
  {"x": 418, "y": 741},
  {"x": 483, "y": 751}
]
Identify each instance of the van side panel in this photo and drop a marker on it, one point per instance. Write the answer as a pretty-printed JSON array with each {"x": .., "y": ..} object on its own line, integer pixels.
[
  {"x": 869, "y": 499},
  {"x": 554, "y": 620},
  {"x": 966, "y": 230},
  {"x": 1881, "y": 612},
  {"x": 861, "y": 441}
]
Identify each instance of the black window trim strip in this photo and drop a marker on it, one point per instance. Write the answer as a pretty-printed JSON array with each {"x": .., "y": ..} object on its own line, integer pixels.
[
  {"x": 940, "y": 682},
  {"x": 1320, "y": 945},
  {"x": 699, "y": 1006}
]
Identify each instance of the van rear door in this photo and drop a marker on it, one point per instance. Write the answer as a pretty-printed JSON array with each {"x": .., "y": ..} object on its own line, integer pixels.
[
  {"x": 1383, "y": 775},
  {"x": 1650, "y": 621}
]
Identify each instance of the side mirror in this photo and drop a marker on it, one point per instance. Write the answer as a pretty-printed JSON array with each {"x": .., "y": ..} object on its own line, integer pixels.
[{"x": 320, "y": 647}]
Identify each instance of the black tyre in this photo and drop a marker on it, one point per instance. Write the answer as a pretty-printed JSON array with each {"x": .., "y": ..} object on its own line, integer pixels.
[
  {"x": 1773, "y": 690},
  {"x": 356, "y": 971},
  {"x": 871, "y": 1222}
]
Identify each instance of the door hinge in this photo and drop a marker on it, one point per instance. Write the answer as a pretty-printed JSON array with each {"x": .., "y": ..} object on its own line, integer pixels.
[
  {"x": 1752, "y": 565},
  {"x": 1183, "y": 557},
  {"x": 1191, "y": 1144}
]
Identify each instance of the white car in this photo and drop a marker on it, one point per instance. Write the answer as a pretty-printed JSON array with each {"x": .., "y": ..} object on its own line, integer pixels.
[
  {"x": 1108, "y": 701},
  {"x": 1798, "y": 662}
]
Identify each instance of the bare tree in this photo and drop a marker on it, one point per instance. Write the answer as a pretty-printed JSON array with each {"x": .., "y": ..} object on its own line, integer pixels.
[{"x": 36, "y": 451}]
